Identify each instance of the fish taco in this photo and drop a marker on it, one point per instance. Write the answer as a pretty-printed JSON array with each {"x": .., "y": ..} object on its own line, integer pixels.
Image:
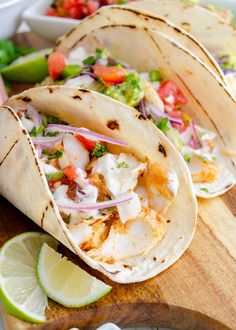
[
  {"x": 168, "y": 84},
  {"x": 212, "y": 26},
  {"x": 99, "y": 177}
]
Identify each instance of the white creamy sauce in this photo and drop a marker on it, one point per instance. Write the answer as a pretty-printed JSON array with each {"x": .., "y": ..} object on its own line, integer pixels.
[
  {"x": 121, "y": 174},
  {"x": 119, "y": 171}
]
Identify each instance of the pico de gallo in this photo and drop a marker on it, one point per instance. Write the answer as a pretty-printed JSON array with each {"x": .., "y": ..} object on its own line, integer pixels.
[
  {"x": 160, "y": 100},
  {"x": 78, "y": 9},
  {"x": 102, "y": 197}
]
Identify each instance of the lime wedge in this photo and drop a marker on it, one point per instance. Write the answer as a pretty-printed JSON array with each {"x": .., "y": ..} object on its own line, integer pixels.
[
  {"x": 20, "y": 293},
  {"x": 31, "y": 68},
  {"x": 65, "y": 282}
]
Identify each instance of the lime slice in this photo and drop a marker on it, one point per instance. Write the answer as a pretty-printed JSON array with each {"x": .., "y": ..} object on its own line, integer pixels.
[
  {"x": 31, "y": 68},
  {"x": 19, "y": 291},
  {"x": 65, "y": 282}
]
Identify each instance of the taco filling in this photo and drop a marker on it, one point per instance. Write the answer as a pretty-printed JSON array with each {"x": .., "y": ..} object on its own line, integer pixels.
[
  {"x": 159, "y": 100},
  {"x": 106, "y": 199}
]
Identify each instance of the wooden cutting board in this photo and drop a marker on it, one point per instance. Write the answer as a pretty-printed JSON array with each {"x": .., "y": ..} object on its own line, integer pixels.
[{"x": 197, "y": 292}]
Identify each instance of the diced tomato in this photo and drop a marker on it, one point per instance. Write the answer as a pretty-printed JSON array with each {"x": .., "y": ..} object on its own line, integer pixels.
[
  {"x": 51, "y": 12},
  {"x": 70, "y": 172},
  {"x": 110, "y": 74},
  {"x": 170, "y": 94},
  {"x": 88, "y": 144},
  {"x": 180, "y": 115},
  {"x": 92, "y": 7},
  {"x": 56, "y": 64}
]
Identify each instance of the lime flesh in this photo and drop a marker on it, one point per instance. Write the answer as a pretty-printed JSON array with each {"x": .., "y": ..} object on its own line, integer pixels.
[
  {"x": 65, "y": 282},
  {"x": 20, "y": 293},
  {"x": 31, "y": 68}
]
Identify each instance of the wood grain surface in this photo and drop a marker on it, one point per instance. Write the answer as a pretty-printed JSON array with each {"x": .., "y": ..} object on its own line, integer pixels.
[{"x": 197, "y": 292}]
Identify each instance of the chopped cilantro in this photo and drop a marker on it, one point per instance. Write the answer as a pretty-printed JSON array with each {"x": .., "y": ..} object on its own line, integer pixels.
[
  {"x": 203, "y": 158},
  {"x": 187, "y": 156},
  {"x": 101, "y": 53},
  {"x": 67, "y": 220},
  {"x": 155, "y": 75},
  {"x": 205, "y": 190},
  {"x": 99, "y": 150},
  {"x": 56, "y": 154},
  {"x": 91, "y": 60},
  {"x": 163, "y": 125},
  {"x": 54, "y": 120},
  {"x": 35, "y": 132},
  {"x": 54, "y": 176},
  {"x": 122, "y": 165},
  {"x": 51, "y": 134}
]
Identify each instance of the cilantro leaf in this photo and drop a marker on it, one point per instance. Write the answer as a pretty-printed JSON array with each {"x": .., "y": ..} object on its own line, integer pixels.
[
  {"x": 205, "y": 190},
  {"x": 53, "y": 155},
  {"x": 122, "y": 165},
  {"x": 99, "y": 150}
]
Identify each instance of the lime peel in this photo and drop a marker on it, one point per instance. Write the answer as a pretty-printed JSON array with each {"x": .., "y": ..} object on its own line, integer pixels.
[
  {"x": 17, "y": 265},
  {"x": 65, "y": 282}
]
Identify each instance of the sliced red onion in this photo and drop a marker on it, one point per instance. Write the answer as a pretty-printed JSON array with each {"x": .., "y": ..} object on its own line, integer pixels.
[
  {"x": 3, "y": 92},
  {"x": 34, "y": 115},
  {"x": 85, "y": 132},
  {"x": 227, "y": 71},
  {"x": 157, "y": 114},
  {"x": 223, "y": 60},
  {"x": 95, "y": 206},
  {"x": 81, "y": 192},
  {"x": 90, "y": 74},
  {"x": 44, "y": 140},
  {"x": 194, "y": 142},
  {"x": 142, "y": 108}
]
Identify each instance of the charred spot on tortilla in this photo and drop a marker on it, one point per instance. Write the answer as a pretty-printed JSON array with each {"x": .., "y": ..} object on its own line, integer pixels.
[
  {"x": 128, "y": 266},
  {"x": 43, "y": 215},
  {"x": 24, "y": 98},
  {"x": 24, "y": 131},
  {"x": 70, "y": 32},
  {"x": 154, "y": 258},
  {"x": 162, "y": 261},
  {"x": 51, "y": 204},
  {"x": 181, "y": 237},
  {"x": 162, "y": 150},
  {"x": 113, "y": 124},
  {"x": 186, "y": 26},
  {"x": 168, "y": 221},
  {"x": 13, "y": 145},
  {"x": 51, "y": 90},
  {"x": 141, "y": 116},
  {"x": 84, "y": 90},
  {"x": 77, "y": 97}
]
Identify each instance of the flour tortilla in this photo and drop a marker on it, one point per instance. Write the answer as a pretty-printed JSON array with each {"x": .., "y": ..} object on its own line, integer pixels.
[
  {"x": 23, "y": 183},
  {"x": 118, "y": 15},
  {"x": 209, "y": 28},
  {"x": 210, "y": 103}
]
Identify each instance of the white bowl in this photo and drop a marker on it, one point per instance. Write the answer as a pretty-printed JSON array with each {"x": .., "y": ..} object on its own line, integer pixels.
[
  {"x": 10, "y": 15},
  {"x": 47, "y": 27},
  {"x": 50, "y": 28}
]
